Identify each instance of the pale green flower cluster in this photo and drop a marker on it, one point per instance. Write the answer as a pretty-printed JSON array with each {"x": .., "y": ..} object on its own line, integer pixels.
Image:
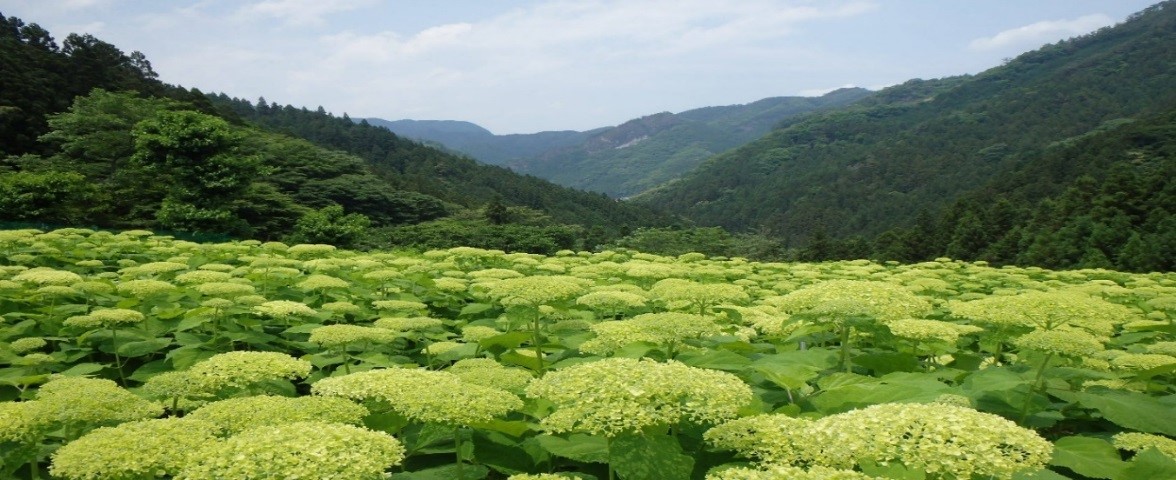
[
  {"x": 309, "y": 249},
  {"x": 283, "y": 309},
  {"x": 21, "y": 422},
  {"x": 930, "y": 330},
  {"x": 235, "y": 415},
  {"x": 1138, "y": 362},
  {"x": 47, "y": 276},
  {"x": 477, "y": 333},
  {"x": 202, "y": 276},
  {"x": 110, "y": 317},
  {"x": 437, "y": 348},
  {"x": 309, "y": 450},
  {"x": 489, "y": 373},
  {"x": 93, "y": 287},
  {"x": 535, "y": 291},
  {"x": 699, "y": 294},
  {"x": 616, "y": 395},
  {"x": 423, "y": 395},
  {"x": 319, "y": 282},
  {"x": 1163, "y": 348},
  {"x": 837, "y": 299},
  {"x": 27, "y": 344},
  {"x": 341, "y": 335},
  {"x": 771, "y": 439},
  {"x": 402, "y": 306},
  {"x": 664, "y": 328},
  {"x": 542, "y": 476},
  {"x": 451, "y": 285},
  {"x": 784, "y": 472},
  {"x": 412, "y": 324},
  {"x": 153, "y": 268},
  {"x": 1047, "y": 311},
  {"x": 1070, "y": 343},
  {"x": 225, "y": 289},
  {"x": 141, "y": 449},
  {"x": 494, "y": 273},
  {"x": 80, "y": 403},
  {"x": 1138, "y": 442},
  {"x": 144, "y": 288},
  {"x": 342, "y": 308},
  {"x": 944, "y": 440},
  {"x": 611, "y": 301},
  {"x": 59, "y": 291},
  {"x": 242, "y": 369},
  {"x": 383, "y": 275}
]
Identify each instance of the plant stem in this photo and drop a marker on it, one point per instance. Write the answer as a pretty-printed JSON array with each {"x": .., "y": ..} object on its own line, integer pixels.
[
  {"x": 117, "y": 359},
  {"x": 845, "y": 348},
  {"x": 1037, "y": 383},
  {"x": 457, "y": 452},
  {"x": 536, "y": 341}
]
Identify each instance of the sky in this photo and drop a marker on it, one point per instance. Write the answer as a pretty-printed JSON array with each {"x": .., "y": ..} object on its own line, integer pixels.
[{"x": 523, "y": 66}]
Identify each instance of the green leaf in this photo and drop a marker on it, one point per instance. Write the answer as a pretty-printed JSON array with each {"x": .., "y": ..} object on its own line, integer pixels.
[
  {"x": 715, "y": 360},
  {"x": 1042, "y": 474},
  {"x": 883, "y": 363},
  {"x": 83, "y": 369},
  {"x": 649, "y": 457},
  {"x": 1091, "y": 457},
  {"x": 1132, "y": 410},
  {"x": 791, "y": 376},
  {"x": 1150, "y": 464},
  {"x": 474, "y": 309},
  {"x": 304, "y": 328},
  {"x": 577, "y": 446},
  {"x": 994, "y": 379},
  {"x": 144, "y": 347},
  {"x": 186, "y": 356},
  {"x": 515, "y": 358},
  {"x": 505, "y": 341},
  {"x": 893, "y": 388},
  {"x": 191, "y": 322},
  {"x": 446, "y": 472},
  {"x": 512, "y": 428}
]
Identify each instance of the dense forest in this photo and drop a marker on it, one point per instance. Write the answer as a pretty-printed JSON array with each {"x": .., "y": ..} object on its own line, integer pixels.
[
  {"x": 913, "y": 172},
  {"x": 91, "y": 137}
]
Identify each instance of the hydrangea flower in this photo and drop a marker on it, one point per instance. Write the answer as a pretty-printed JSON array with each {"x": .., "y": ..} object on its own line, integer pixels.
[
  {"x": 322, "y": 451},
  {"x": 929, "y": 330},
  {"x": 1138, "y": 442},
  {"x": 81, "y": 403},
  {"x": 423, "y": 395},
  {"x": 400, "y": 306},
  {"x": 22, "y": 422},
  {"x": 318, "y": 282},
  {"x": 770, "y": 439},
  {"x": 225, "y": 289},
  {"x": 535, "y": 291},
  {"x": 341, "y": 335},
  {"x": 283, "y": 309},
  {"x": 408, "y": 324},
  {"x": 477, "y": 333},
  {"x": 243, "y": 369},
  {"x": 836, "y": 299},
  {"x": 665, "y": 328},
  {"x": 144, "y": 288},
  {"x": 309, "y": 249},
  {"x": 235, "y": 415},
  {"x": 611, "y": 301},
  {"x": 202, "y": 276},
  {"x": 27, "y": 344},
  {"x": 617, "y": 395},
  {"x": 784, "y": 472},
  {"x": 141, "y": 449},
  {"x": 1070, "y": 343},
  {"x": 487, "y": 372},
  {"x": 1138, "y": 362},
  {"x": 47, "y": 276},
  {"x": 1046, "y": 311}
]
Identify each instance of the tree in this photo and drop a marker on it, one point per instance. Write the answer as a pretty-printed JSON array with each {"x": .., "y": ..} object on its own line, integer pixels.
[{"x": 331, "y": 226}]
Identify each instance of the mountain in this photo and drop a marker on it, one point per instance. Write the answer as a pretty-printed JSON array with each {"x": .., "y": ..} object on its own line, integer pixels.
[
  {"x": 91, "y": 137},
  {"x": 629, "y": 158},
  {"x": 920, "y": 146}
]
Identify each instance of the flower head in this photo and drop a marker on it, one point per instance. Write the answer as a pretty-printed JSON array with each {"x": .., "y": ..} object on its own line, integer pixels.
[
  {"x": 423, "y": 395},
  {"x": 1071, "y": 343},
  {"x": 283, "y": 309},
  {"x": 243, "y": 369},
  {"x": 537, "y": 290},
  {"x": 1138, "y": 442},
  {"x": 341, "y": 335},
  {"x": 616, "y": 395},
  {"x": 141, "y": 449},
  {"x": 663, "y": 328},
  {"x": 84, "y": 403},
  {"x": 327, "y": 451},
  {"x": 235, "y": 415}
]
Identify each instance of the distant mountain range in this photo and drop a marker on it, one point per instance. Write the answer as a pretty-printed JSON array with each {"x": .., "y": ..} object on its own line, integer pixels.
[{"x": 627, "y": 159}]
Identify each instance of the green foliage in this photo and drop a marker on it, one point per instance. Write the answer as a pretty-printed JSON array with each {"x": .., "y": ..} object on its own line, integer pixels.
[{"x": 331, "y": 226}]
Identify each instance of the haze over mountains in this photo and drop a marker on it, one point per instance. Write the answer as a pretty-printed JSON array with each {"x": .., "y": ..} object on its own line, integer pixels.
[{"x": 626, "y": 159}]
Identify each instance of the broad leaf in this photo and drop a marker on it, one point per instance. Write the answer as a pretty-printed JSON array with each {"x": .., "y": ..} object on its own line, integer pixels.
[
  {"x": 649, "y": 457},
  {"x": 1091, "y": 457},
  {"x": 577, "y": 446}
]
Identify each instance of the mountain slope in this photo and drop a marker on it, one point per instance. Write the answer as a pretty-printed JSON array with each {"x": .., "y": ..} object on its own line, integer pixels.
[
  {"x": 629, "y": 158},
  {"x": 75, "y": 148},
  {"x": 921, "y": 145}
]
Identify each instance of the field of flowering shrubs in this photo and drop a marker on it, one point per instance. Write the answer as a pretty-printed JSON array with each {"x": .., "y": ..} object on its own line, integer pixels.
[{"x": 135, "y": 356}]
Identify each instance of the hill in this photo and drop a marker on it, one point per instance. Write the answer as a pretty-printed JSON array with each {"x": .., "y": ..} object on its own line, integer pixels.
[
  {"x": 92, "y": 137},
  {"x": 626, "y": 159},
  {"x": 923, "y": 145}
]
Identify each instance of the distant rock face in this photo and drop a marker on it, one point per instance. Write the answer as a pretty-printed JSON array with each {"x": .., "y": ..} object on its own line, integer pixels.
[{"x": 629, "y": 158}]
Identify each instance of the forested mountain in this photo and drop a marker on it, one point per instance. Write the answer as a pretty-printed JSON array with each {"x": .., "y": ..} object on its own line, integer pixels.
[
  {"x": 90, "y": 137},
  {"x": 629, "y": 158},
  {"x": 921, "y": 146}
]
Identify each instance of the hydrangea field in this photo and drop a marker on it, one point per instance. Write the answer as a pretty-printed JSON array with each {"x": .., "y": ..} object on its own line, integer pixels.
[{"x": 136, "y": 356}]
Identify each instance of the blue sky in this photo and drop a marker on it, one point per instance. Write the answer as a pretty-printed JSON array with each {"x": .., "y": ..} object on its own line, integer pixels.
[{"x": 518, "y": 66}]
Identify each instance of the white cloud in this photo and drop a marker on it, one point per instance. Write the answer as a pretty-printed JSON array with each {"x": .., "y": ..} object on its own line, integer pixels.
[
  {"x": 1045, "y": 31},
  {"x": 298, "y": 13}
]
